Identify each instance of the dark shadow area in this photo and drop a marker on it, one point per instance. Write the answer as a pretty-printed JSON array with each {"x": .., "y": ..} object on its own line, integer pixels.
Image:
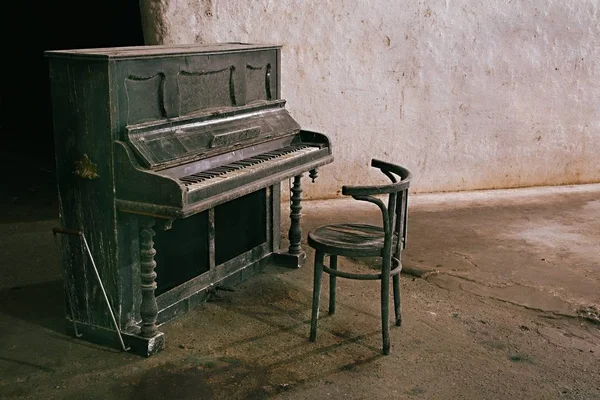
[
  {"x": 229, "y": 377},
  {"x": 28, "y": 364},
  {"x": 27, "y": 179},
  {"x": 41, "y": 304}
]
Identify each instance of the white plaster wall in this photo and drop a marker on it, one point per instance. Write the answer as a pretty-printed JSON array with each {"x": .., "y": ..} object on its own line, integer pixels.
[{"x": 468, "y": 94}]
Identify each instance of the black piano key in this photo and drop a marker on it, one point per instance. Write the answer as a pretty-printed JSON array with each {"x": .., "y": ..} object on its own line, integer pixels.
[
  {"x": 246, "y": 163},
  {"x": 203, "y": 175},
  {"x": 188, "y": 180},
  {"x": 221, "y": 168}
]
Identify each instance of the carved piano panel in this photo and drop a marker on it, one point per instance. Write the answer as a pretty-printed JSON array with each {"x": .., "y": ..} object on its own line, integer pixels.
[
  {"x": 154, "y": 90},
  {"x": 145, "y": 98},
  {"x": 217, "y": 89},
  {"x": 258, "y": 82}
]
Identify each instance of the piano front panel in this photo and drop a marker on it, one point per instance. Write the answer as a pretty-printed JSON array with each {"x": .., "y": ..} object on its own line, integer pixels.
[
  {"x": 239, "y": 238},
  {"x": 240, "y": 225},
  {"x": 181, "y": 252},
  {"x": 156, "y": 89}
]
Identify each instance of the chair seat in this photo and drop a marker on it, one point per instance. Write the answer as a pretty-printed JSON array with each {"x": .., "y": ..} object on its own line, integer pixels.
[{"x": 353, "y": 240}]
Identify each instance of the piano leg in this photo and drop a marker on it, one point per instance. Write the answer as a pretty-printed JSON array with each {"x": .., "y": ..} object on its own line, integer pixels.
[
  {"x": 294, "y": 257},
  {"x": 295, "y": 233},
  {"x": 148, "y": 306}
]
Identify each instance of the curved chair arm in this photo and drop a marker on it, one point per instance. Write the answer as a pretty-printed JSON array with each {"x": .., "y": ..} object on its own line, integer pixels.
[
  {"x": 384, "y": 212},
  {"x": 393, "y": 187},
  {"x": 403, "y": 173}
]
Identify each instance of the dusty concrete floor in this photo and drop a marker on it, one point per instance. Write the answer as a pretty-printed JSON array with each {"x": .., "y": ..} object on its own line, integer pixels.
[{"x": 500, "y": 301}]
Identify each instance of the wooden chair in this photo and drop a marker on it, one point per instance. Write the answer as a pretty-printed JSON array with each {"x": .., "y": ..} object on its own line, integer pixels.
[{"x": 361, "y": 240}]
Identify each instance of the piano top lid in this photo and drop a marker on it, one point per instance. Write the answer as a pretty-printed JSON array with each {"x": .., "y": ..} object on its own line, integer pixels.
[
  {"x": 133, "y": 52},
  {"x": 186, "y": 139}
]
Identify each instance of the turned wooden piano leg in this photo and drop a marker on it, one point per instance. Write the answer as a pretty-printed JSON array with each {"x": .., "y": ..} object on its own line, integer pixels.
[
  {"x": 295, "y": 233},
  {"x": 294, "y": 257},
  {"x": 148, "y": 307}
]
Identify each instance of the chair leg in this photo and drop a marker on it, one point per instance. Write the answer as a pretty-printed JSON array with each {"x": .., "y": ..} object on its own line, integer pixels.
[
  {"x": 397, "y": 300},
  {"x": 332, "y": 284},
  {"x": 319, "y": 256},
  {"x": 385, "y": 312}
]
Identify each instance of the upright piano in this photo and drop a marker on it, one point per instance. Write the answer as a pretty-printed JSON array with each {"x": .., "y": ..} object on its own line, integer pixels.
[{"x": 169, "y": 164}]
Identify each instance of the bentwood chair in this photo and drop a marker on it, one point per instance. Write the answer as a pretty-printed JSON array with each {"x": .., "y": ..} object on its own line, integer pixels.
[{"x": 361, "y": 240}]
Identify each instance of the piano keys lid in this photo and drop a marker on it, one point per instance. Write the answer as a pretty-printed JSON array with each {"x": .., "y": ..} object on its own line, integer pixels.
[{"x": 182, "y": 140}]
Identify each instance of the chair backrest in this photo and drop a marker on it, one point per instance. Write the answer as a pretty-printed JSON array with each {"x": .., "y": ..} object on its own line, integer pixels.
[{"x": 395, "y": 215}]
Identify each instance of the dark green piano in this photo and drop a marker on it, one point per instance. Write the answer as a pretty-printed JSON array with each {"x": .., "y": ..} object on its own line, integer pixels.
[{"x": 169, "y": 162}]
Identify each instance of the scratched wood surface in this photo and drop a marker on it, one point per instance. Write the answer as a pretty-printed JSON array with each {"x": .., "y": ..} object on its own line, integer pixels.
[
  {"x": 349, "y": 239},
  {"x": 82, "y": 126}
]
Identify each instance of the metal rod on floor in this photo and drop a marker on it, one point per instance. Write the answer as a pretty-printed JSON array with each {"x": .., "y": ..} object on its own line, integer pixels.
[{"x": 80, "y": 233}]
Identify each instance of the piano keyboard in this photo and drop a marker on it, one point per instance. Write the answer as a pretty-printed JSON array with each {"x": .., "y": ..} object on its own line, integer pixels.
[{"x": 246, "y": 165}]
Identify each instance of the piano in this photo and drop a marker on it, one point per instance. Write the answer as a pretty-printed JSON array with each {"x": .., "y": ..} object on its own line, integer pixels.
[{"x": 170, "y": 161}]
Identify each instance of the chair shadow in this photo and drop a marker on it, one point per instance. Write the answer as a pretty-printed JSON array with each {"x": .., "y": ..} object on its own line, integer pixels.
[
  {"x": 41, "y": 304},
  {"x": 253, "y": 372}
]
